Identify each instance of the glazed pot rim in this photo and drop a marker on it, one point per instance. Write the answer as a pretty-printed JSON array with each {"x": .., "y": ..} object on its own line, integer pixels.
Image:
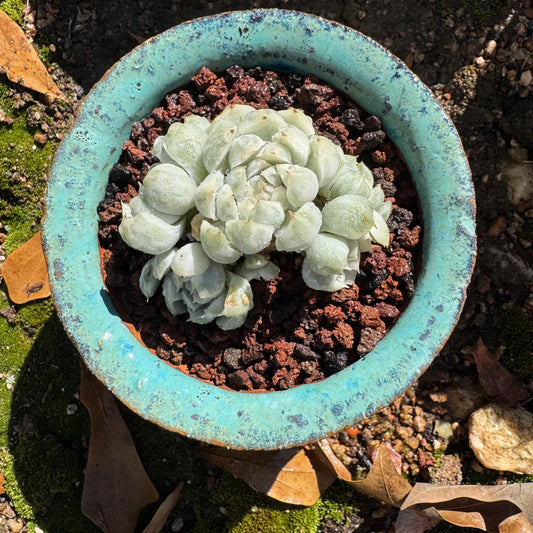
[{"x": 376, "y": 80}]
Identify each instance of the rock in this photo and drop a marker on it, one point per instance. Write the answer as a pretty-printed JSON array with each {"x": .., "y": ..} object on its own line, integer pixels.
[
  {"x": 519, "y": 178},
  {"x": 443, "y": 429},
  {"x": 502, "y": 439},
  {"x": 448, "y": 473}
]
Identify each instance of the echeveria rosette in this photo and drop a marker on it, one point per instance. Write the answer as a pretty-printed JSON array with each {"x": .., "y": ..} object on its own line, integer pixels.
[{"x": 246, "y": 183}]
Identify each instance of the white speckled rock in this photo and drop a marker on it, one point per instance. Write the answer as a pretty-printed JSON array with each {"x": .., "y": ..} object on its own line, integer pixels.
[{"x": 502, "y": 439}]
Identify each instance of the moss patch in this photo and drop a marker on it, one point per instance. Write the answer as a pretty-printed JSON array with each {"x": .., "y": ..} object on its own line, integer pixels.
[
  {"x": 482, "y": 12},
  {"x": 515, "y": 331},
  {"x": 13, "y": 8},
  {"x": 235, "y": 508}
]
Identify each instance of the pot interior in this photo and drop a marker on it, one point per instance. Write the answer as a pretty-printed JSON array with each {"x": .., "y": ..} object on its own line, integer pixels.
[{"x": 283, "y": 41}]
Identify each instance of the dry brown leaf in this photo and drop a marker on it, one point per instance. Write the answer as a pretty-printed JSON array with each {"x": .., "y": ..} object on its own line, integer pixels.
[
  {"x": 517, "y": 523},
  {"x": 2, "y": 490},
  {"x": 20, "y": 60},
  {"x": 116, "y": 486},
  {"x": 383, "y": 481},
  {"x": 413, "y": 521},
  {"x": 292, "y": 475},
  {"x": 160, "y": 517},
  {"x": 489, "y": 508},
  {"x": 498, "y": 383},
  {"x": 24, "y": 272}
]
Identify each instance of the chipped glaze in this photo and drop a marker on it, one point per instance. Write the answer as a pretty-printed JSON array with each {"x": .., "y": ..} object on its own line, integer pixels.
[{"x": 280, "y": 40}]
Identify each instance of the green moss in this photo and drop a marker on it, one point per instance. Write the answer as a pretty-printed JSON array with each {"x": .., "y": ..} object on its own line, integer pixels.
[
  {"x": 482, "y": 12},
  {"x": 235, "y": 508},
  {"x": 13, "y": 8},
  {"x": 35, "y": 314},
  {"x": 12, "y": 486},
  {"x": 515, "y": 331}
]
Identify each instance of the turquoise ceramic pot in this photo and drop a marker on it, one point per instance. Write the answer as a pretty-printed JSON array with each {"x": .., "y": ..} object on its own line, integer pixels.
[{"x": 379, "y": 82}]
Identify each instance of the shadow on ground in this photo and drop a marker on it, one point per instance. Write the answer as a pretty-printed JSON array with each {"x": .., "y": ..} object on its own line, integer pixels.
[{"x": 49, "y": 434}]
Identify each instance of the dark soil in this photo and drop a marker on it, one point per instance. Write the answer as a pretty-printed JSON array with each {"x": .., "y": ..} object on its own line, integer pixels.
[{"x": 294, "y": 334}]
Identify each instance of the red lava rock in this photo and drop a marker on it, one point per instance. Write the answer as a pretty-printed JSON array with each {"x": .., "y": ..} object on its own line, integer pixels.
[
  {"x": 408, "y": 237},
  {"x": 379, "y": 156},
  {"x": 333, "y": 313},
  {"x": 370, "y": 317},
  {"x": 344, "y": 335},
  {"x": 217, "y": 90},
  {"x": 386, "y": 310},
  {"x": 388, "y": 289},
  {"x": 204, "y": 79},
  {"x": 324, "y": 338},
  {"x": 345, "y": 295},
  {"x": 134, "y": 154},
  {"x": 251, "y": 90},
  {"x": 398, "y": 266},
  {"x": 376, "y": 262},
  {"x": 369, "y": 338},
  {"x": 312, "y": 94}
]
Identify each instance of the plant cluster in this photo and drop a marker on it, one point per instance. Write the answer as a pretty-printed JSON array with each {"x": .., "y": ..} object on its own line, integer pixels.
[{"x": 249, "y": 182}]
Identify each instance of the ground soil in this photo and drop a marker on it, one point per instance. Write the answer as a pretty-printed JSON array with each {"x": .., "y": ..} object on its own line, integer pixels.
[{"x": 477, "y": 59}]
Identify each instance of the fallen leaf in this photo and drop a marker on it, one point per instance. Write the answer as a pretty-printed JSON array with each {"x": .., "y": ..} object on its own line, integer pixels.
[
  {"x": 24, "y": 272},
  {"x": 294, "y": 475},
  {"x": 116, "y": 486},
  {"x": 2, "y": 489},
  {"x": 160, "y": 517},
  {"x": 517, "y": 523},
  {"x": 413, "y": 521},
  {"x": 383, "y": 481},
  {"x": 20, "y": 60},
  {"x": 489, "y": 508},
  {"x": 498, "y": 383}
]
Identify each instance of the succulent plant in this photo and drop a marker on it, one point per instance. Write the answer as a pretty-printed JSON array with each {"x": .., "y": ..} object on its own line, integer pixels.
[{"x": 232, "y": 189}]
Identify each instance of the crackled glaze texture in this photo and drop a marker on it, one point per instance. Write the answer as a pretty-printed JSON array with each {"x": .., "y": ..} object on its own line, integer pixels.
[{"x": 379, "y": 82}]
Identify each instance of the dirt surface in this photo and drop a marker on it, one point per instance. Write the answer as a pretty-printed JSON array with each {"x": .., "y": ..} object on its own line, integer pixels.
[{"x": 477, "y": 58}]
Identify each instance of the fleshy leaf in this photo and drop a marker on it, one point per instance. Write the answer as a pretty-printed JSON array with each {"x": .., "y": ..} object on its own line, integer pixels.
[
  {"x": 380, "y": 231},
  {"x": 184, "y": 142},
  {"x": 169, "y": 189},
  {"x": 190, "y": 260},
  {"x": 137, "y": 205},
  {"x": 301, "y": 184},
  {"x": 296, "y": 141},
  {"x": 349, "y": 216},
  {"x": 171, "y": 288},
  {"x": 206, "y": 192},
  {"x": 216, "y": 244},
  {"x": 243, "y": 148},
  {"x": 321, "y": 282},
  {"x": 247, "y": 236},
  {"x": 300, "y": 229},
  {"x": 328, "y": 255},
  {"x": 297, "y": 118},
  {"x": 148, "y": 283},
  {"x": 149, "y": 234},
  {"x": 325, "y": 159},
  {"x": 262, "y": 122}
]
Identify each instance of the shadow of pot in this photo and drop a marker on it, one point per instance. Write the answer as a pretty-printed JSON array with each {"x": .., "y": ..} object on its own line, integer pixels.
[{"x": 285, "y": 41}]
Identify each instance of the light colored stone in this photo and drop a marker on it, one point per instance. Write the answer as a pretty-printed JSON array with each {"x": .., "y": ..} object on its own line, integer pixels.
[
  {"x": 443, "y": 429},
  {"x": 502, "y": 439},
  {"x": 526, "y": 77}
]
